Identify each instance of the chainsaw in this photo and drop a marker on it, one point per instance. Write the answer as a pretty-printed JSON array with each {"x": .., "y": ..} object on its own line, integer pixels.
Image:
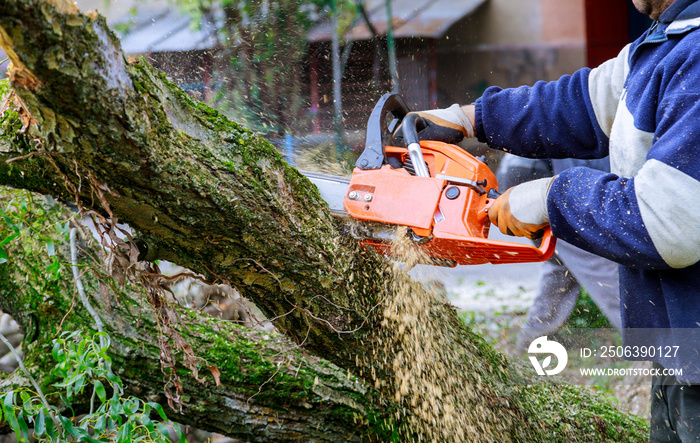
[{"x": 440, "y": 192}]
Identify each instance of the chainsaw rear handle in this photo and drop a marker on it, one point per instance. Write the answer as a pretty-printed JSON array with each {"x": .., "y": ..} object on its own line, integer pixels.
[
  {"x": 548, "y": 240},
  {"x": 409, "y": 128},
  {"x": 549, "y": 243}
]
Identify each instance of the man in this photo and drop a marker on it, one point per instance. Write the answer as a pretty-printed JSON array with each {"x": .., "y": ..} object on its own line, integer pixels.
[
  {"x": 570, "y": 268},
  {"x": 643, "y": 109}
]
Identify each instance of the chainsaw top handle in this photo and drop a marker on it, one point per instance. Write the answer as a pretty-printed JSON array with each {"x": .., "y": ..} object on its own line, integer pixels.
[{"x": 410, "y": 136}]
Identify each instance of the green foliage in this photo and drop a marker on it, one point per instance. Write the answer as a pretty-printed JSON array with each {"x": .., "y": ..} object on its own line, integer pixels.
[
  {"x": 587, "y": 314},
  {"x": 83, "y": 364},
  {"x": 35, "y": 225},
  {"x": 33, "y": 230},
  {"x": 490, "y": 326},
  {"x": 11, "y": 123}
]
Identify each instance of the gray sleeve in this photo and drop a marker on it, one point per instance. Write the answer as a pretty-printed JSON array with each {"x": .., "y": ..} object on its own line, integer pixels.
[{"x": 560, "y": 165}]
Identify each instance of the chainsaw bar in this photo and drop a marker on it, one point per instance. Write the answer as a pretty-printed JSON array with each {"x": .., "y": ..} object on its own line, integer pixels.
[{"x": 332, "y": 189}]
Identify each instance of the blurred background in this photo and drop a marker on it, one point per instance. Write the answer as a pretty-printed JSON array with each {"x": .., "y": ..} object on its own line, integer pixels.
[{"x": 306, "y": 74}]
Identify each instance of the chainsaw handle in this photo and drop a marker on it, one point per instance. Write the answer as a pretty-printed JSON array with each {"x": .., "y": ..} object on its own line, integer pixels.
[
  {"x": 409, "y": 128},
  {"x": 549, "y": 241}
]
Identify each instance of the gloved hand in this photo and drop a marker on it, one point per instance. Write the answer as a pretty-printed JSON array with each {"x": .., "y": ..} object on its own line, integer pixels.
[
  {"x": 522, "y": 209},
  {"x": 449, "y": 125}
]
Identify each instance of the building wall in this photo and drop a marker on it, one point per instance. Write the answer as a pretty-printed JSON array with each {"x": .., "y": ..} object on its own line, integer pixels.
[
  {"x": 518, "y": 22},
  {"x": 563, "y": 21},
  {"x": 510, "y": 43},
  {"x": 501, "y": 22}
]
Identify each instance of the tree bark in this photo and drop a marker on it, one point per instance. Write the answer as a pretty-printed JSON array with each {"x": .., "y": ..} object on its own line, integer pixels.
[
  {"x": 267, "y": 389},
  {"x": 206, "y": 194}
]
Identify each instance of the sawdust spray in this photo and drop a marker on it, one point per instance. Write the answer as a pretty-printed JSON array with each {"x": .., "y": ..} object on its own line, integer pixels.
[{"x": 427, "y": 358}]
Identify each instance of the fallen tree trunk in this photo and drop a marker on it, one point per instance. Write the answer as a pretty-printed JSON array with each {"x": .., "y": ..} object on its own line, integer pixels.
[
  {"x": 264, "y": 388},
  {"x": 206, "y": 194}
]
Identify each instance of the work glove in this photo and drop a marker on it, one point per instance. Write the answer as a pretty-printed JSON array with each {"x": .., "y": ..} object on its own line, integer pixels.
[
  {"x": 522, "y": 209},
  {"x": 449, "y": 125}
]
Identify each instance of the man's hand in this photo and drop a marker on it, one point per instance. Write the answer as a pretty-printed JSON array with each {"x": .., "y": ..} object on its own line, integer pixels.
[
  {"x": 522, "y": 209},
  {"x": 449, "y": 125}
]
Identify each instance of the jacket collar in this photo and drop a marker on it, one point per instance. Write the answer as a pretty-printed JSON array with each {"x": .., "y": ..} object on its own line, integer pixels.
[
  {"x": 680, "y": 10},
  {"x": 682, "y": 16}
]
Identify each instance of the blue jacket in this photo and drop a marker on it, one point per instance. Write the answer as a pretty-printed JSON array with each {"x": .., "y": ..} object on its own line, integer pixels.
[{"x": 643, "y": 109}]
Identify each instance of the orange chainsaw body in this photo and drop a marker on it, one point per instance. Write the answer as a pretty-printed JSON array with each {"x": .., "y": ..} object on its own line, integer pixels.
[{"x": 446, "y": 211}]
